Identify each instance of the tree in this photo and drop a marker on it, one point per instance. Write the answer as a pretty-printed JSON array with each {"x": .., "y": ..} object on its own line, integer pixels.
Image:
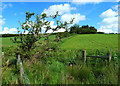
[
  {"x": 33, "y": 29},
  {"x": 74, "y": 29},
  {"x": 93, "y": 30},
  {"x": 82, "y": 30},
  {"x": 85, "y": 26}
]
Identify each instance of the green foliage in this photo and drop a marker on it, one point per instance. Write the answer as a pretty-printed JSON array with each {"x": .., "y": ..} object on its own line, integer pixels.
[
  {"x": 91, "y": 41},
  {"x": 53, "y": 64},
  {"x": 83, "y": 30},
  {"x": 33, "y": 29},
  {"x": 54, "y": 68},
  {"x": 74, "y": 29}
]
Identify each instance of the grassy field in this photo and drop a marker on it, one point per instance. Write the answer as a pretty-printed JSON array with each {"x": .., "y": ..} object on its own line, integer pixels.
[
  {"x": 91, "y": 41},
  {"x": 53, "y": 67},
  {"x": 7, "y": 42},
  {"x": 85, "y": 41}
]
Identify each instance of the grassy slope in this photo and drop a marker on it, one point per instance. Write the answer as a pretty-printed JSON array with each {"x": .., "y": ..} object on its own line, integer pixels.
[
  {"x": 7, "y": 42},
  {"x": 91, "y": 41},
  {"x": 85, "y": 41},
  {"x": 57, "y": 72}
]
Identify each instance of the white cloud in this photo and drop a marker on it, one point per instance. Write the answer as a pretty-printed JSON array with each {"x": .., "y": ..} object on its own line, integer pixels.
[
  {"x": 109, "y": 23},
  {"x": 50, "y": 31},
  {"x": 44, "y": 28},
  {"x": 117, "y": 0},
  {"x": 67, "y": 17},
  {"x": 103, "y": 29},
  {"x": 52, "y": 26},
  {"x": 86, "y": 1},
  {"x": 60, "y": 30},
  {"x": 65, "y": 11},
  {"x": 60, "y": 8},
  {"x": 113, "y": 28},
  {"x": 6, "y": 30},
  {"x": 109, "y": 13},
  {"x": 110, "y": 20}
]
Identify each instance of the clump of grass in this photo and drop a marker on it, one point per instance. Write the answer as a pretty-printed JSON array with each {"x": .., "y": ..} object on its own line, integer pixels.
[
  {"x": 80, "y": 72},
  {"x": 10, "y": 76},
  {"x": 110, "y": 74}
]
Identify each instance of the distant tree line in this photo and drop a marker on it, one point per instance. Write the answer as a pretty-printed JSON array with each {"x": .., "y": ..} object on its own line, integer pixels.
[
  {"x": 8, "y": 35},
  {"x": 83, "y": 30}
]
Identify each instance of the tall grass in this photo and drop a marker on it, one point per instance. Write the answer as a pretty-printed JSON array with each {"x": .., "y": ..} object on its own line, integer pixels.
[
  {"x": 56, "y": 68},
  {"x": 65, "y": 65}
]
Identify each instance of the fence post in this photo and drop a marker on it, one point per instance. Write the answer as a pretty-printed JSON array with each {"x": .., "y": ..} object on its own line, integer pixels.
[
  {"x": 84, "y": 55},
  {"x": 21, "y": 75},
  {"x": 109, "y": 57}
]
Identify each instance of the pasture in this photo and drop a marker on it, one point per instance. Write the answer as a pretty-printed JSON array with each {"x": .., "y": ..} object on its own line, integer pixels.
[
  {"x": 91, "y": 41},
  {"x": 53, "y": 66},
  {"x": 84, "y": 41}
]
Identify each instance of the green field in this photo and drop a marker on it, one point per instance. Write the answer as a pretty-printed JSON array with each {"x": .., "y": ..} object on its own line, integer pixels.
[
  {"x": 7, "y": 42},
  {"x": 47, "y": 66},
  {"x": 91, "y": 41},
  {"x": 85, "y": 41}
]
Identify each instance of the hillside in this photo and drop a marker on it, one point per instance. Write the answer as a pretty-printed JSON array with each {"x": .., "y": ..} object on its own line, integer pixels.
[
  {"x": 65, "y": 65},
  {"x": 84, "y": 41},
  {"x": 91, "y": 41}
]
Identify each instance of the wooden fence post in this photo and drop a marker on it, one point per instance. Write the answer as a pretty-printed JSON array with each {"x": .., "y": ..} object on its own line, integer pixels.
[
  {"x": 109, "y": 57},
  {"x": 21, "y": 75},
  {"x": 84, "y": 55}
]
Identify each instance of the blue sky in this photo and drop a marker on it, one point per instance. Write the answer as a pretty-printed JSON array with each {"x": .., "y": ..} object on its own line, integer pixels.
[{"x": 103, "y": 15}]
